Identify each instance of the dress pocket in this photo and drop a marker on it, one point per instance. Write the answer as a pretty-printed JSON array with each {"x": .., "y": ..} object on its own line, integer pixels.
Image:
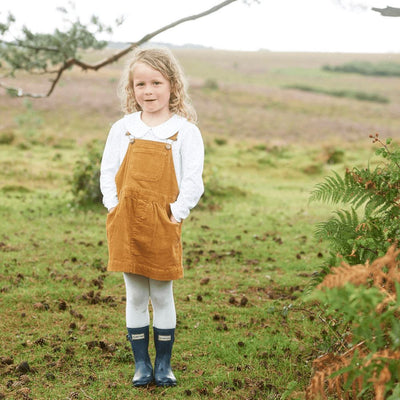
[
  {"x": 142, "y": 228},
  {"x": 110, "y": 220},
  {"x": 116, "y": 231},
  {"x": 167, "y": 238},
  {"x": 147, "y": 166}
]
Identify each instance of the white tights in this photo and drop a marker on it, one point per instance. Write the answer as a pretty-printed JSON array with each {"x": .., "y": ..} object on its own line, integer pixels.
[{"x": 139, "y": 290}]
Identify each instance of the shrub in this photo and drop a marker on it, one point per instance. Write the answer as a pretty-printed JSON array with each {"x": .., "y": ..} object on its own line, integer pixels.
[
  {"x": 366, "y": 68},
  {"x": 360, "y": 299},
  {"x": 365, "y": 301},
  {"x": 215, "y": 191},
  {"x": 7, "y": 137},
  {"x": 351, "y": 94},
  {"x": 370, "y": 223},
  {"x": 334, "y": 156},
  {"x": 211, "y": 84},
  {"x": 220, "y": 141},
  {"x": 86, "y": 176}
]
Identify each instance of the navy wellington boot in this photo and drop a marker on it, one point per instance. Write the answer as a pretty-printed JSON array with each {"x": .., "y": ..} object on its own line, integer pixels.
[
  {"x": 139, "y": 338},
  {"x": 164, "y": 340}
]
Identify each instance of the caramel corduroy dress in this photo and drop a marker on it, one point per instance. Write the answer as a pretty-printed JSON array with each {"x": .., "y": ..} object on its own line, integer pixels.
[{"x": 141, "y": 238}]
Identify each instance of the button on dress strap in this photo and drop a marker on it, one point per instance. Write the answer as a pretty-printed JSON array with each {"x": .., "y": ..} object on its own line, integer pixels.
[
  {"x": 131, "y": 137},
  {"x": 170, "y": 140}
]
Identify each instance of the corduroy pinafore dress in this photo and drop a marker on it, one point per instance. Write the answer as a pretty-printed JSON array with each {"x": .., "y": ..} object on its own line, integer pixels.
[{"x": 141, "y": 238}]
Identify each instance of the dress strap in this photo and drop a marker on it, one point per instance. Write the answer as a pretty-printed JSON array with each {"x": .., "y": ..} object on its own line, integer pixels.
[{"x": 174, "y": 137}]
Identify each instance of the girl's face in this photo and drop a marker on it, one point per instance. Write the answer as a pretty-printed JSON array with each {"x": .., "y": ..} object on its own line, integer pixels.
[{"x": 152, "y": 91}]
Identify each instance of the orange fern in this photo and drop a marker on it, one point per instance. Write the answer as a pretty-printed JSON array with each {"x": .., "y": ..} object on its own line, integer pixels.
[{"x": 383, "y": 273}]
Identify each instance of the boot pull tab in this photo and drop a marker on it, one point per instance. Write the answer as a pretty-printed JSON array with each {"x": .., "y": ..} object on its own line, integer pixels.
[
  {"x": 164, "y": 338},
  {"x": 137, "y": 336}
]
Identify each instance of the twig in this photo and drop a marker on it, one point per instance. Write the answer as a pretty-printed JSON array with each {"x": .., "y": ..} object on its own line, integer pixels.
[
  {"x": 19, "y": 43},
  {"x": 384, "y": 145},
  {"x": 338, "y": 337},
  {"x": 353, "y": 348}
]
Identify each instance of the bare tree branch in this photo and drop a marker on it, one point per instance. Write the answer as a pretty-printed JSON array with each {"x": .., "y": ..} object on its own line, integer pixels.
[
  {"x": 388, "y": 11},
  {"x": 85, "y": 66}
]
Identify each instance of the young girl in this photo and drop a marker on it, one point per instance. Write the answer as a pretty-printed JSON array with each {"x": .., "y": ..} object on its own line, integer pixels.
[{"x": 151, "y": 177}]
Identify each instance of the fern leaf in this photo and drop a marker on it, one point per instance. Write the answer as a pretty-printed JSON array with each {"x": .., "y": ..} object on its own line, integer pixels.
[
  {"x": 377, "y": 205},
  {"x": 343, "y": 221},
  {"x": 330, "y": 190}
]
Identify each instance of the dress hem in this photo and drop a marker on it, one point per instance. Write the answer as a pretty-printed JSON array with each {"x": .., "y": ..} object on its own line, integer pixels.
[{"x": 170, "y": 273}]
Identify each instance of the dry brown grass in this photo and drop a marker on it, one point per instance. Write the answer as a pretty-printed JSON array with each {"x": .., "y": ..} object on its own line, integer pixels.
[{"x": 250, "y": 101}]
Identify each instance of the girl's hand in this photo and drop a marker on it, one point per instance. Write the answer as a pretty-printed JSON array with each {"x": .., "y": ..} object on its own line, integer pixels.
[
  {"x": 111, "y": 210},
  {"x": 173, "y": 220}
]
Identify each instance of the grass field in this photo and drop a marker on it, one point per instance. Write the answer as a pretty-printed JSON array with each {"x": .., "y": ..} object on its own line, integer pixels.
[{"x": 249, "y": 252}]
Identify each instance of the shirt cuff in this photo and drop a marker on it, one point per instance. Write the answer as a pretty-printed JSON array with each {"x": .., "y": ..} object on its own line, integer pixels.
[
  {"x": 175, "y": 212},
  {"x": 111, "y": 204}
]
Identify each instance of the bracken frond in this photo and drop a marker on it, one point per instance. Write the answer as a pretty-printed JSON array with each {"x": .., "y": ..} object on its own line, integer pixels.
[
  {"x": 340, "y": 227},
  {"x": 384, "y": 273},
  {"x": 354, "y": 191},
  {"x": 330, "y": 191},
  {"x": 328, "y": 379}
]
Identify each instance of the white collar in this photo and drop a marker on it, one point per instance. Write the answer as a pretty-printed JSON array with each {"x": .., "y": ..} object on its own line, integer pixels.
[{"x": 135, "y": 126}]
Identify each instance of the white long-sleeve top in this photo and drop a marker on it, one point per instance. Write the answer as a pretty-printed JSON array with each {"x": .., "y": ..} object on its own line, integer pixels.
[{"x": 187, "y": 154}]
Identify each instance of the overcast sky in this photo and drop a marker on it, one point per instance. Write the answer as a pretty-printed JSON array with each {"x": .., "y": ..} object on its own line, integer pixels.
[{"x": 276, "y": 25}]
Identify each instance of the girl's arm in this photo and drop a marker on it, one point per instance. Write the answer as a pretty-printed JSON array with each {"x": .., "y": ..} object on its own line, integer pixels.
[
  {"x": 109, "y": 167},
  {"x": 191, "y": 186}
]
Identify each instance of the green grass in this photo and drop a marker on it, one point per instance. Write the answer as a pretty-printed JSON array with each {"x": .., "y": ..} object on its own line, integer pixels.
[
  {"x": 249, "y": 250},
  {"x": 252, "y": 237}
]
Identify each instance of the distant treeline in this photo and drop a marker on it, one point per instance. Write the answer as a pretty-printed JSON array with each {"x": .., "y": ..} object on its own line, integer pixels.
[{"x": 366, "y": 68}]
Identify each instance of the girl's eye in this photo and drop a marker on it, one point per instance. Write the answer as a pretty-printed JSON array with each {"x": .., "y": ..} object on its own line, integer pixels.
[
  {"x": 157, "y": 83},
  {"x": 139, "y": 84}
]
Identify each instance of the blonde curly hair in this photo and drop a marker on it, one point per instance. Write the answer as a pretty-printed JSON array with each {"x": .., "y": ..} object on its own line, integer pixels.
[{"x": 163, "y": 61}]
